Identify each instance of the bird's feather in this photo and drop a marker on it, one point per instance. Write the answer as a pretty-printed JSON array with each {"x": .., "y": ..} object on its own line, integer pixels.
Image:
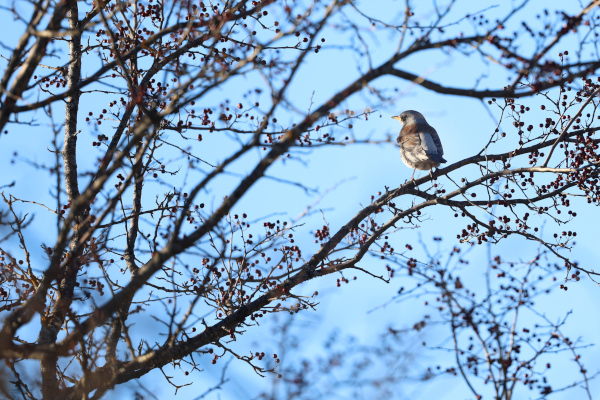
[
  {"x": 419, "y": 145},
  {"x": 434, "y": 136},
  {"x": 427, "y": 143}
]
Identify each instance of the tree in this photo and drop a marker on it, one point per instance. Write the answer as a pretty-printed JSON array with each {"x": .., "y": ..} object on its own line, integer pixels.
[
  {"x": 168, "y": 87},
  {"x": 495, "y": 337}
]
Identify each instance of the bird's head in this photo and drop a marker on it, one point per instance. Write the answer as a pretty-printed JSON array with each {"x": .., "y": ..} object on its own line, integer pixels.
[{"x": 410, "y": 117}]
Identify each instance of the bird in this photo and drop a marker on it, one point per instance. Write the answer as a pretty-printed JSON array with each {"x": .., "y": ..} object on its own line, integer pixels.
[{"x": 420, "y": 145}]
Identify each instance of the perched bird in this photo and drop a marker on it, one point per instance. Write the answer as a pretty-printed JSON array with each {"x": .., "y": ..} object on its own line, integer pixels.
[{"x": 420, "y": 145}]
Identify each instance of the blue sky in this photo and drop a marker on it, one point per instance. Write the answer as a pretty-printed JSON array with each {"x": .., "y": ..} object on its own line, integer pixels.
[{"x": 359, "y": 171}]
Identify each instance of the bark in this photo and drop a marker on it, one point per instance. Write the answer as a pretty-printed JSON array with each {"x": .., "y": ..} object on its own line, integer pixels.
[{"x": 52, "y": 324}]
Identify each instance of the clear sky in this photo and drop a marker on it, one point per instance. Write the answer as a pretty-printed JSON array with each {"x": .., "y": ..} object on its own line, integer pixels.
[{"x": 355, "y": 172}]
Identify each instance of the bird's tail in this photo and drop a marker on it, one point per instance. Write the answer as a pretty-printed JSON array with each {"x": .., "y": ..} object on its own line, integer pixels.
[{"x": 437, "y": 158}]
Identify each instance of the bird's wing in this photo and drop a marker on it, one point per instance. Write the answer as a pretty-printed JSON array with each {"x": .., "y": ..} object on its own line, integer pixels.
[
  {"x": 420, "y": 142},
  {"x": 430, "y": 141},
  {"x": 413, "y": 145},
  {"x": 437, "y": 141}
]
